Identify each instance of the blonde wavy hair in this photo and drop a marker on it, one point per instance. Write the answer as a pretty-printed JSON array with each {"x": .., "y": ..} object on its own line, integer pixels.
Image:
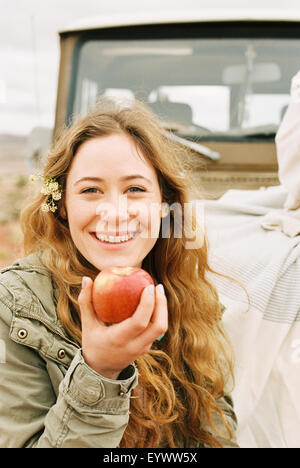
[{"x": 183, "y": 375}]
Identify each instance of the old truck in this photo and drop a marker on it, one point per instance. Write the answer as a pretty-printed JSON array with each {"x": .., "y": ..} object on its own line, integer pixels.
[{"x": 218, "y": 79}]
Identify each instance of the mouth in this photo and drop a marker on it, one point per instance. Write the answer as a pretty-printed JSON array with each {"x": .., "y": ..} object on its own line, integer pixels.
[{"x": 111, "y": 241}]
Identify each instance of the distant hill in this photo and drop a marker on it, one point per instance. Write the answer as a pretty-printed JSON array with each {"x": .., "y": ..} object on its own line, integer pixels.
[
  {"x": 13, "y": 146},
  {"x": 13, "y": 152}
]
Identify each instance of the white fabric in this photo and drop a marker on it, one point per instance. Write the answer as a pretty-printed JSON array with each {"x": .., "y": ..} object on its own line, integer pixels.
[
  {"x": 266, "y": 332},
  {"x": 284, "y": 220},
  {"x": 287, "y": 140},
  {"x": 288, "y": 147}
]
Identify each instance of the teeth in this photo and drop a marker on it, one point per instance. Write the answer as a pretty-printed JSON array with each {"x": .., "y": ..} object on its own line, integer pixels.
[{"x": 114, "y": 239}]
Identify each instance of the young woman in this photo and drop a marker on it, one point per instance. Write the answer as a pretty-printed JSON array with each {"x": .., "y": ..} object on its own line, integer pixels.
[{"x": 70, "y": 380}]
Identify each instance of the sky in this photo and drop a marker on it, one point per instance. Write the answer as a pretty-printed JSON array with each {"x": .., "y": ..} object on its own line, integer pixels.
[{"x": 29, "y": 49}]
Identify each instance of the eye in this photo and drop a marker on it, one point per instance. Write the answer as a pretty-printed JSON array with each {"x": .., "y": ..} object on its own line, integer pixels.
[
  {"x": 136, "y": 189},
  {"x": 90, "y": 190}
]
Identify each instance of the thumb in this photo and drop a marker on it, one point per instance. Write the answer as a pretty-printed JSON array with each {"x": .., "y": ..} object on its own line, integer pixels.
[{"x": 86, "y": 289}]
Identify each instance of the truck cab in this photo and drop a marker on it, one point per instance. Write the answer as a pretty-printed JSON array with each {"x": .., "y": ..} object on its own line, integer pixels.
[{"x": 219, "y": 81}]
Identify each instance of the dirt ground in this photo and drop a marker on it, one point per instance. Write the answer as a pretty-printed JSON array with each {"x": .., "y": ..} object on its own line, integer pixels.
[
  {"x": 10, "y": 243},
  {"x": 14, "y": 188}
]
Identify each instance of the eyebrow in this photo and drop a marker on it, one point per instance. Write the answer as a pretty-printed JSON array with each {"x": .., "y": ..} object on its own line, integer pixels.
[{"x": 99, "y": 179}]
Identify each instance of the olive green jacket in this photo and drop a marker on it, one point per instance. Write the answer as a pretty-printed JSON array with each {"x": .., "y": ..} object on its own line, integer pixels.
[{"x": 49, "y": 397}]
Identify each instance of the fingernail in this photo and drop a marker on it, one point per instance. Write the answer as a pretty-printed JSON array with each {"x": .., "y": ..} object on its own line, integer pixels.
[
  {"x": 83, "y": 282},
  {"x": 161, "y": 289},
  {"x": 151, "y": 289}
]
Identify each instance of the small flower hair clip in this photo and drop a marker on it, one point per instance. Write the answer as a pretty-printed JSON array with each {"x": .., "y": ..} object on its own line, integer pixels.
[{"x": 51, "y": 188}]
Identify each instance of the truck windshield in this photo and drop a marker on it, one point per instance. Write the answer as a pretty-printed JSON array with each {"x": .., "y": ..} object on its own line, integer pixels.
[{"x": 232, "y": 89}]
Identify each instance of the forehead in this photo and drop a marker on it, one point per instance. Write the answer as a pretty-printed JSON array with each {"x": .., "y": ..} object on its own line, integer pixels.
[{"x": 115, "y": 153}]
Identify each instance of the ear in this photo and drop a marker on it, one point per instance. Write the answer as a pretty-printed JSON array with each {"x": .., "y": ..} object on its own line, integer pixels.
[
  {"x": 164, "y": 210},
  {"x": 63, "y": 212}
]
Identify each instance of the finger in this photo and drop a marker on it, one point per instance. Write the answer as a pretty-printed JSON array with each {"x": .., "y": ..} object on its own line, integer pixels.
[
  {"x": 159, "y": 320},
  {"x": 138, "y": 322},
  {"x": 87, "y": 312},
  {"x": 162, "y": 313},
  {"x": 160, "y": 301}
]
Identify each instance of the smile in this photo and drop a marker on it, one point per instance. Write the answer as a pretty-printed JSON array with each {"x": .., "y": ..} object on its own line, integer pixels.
[
  {"x": 115, "y": 239},
  {"x": 107, "y": 241}
]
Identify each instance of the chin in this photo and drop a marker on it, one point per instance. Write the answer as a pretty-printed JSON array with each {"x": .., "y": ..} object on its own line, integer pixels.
[{"x": 114, "y": 262}]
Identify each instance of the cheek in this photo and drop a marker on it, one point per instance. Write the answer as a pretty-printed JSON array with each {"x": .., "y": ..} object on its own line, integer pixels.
[
  {"x": 147, "y": 211},
  {"x": 154, "y": 222},
  {"x": 79, "y": 214},
  {"x": 150, "y": 219}
]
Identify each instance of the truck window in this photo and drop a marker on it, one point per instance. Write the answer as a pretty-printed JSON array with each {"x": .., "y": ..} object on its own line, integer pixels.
[{"x": 229, "y": 89}]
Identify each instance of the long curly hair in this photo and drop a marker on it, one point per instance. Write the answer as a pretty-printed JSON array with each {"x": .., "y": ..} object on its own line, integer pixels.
[{"x": 183, "y": 375}]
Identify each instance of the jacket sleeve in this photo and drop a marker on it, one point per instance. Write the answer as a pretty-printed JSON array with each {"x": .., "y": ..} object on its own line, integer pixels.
[
  {"x": 220, "y": 431},
  {"x": 89, "y": 411},
  {"x": 226, "y": 405}
]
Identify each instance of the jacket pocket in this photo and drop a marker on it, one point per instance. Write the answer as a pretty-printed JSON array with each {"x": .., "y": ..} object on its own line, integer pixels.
[{"x": 31, "y": 332}]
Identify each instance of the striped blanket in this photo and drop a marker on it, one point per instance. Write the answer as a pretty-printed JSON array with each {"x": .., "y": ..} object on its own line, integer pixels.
[{"x": 264, "y": 324}]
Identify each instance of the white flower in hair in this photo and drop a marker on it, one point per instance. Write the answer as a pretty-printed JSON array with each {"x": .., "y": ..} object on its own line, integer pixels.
[
  {"x": 51, "y": 189},
  {"x": 56, "y": 195},
  {"x": 45, "y": 207}
]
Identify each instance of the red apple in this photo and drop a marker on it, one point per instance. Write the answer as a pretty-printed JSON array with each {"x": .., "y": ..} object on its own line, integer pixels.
[{"x": 117, "y": 292}]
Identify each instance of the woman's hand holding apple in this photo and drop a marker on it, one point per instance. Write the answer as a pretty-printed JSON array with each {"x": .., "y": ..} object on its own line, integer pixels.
[{"x": 110, "y": 349}]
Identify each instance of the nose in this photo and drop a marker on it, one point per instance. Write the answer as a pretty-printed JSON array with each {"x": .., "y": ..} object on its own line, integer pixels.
[{"x": 115, "y": 214}]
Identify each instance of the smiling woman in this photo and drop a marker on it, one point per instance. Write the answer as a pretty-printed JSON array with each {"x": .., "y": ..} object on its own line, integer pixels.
[{"x": 113, "y": 386}]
